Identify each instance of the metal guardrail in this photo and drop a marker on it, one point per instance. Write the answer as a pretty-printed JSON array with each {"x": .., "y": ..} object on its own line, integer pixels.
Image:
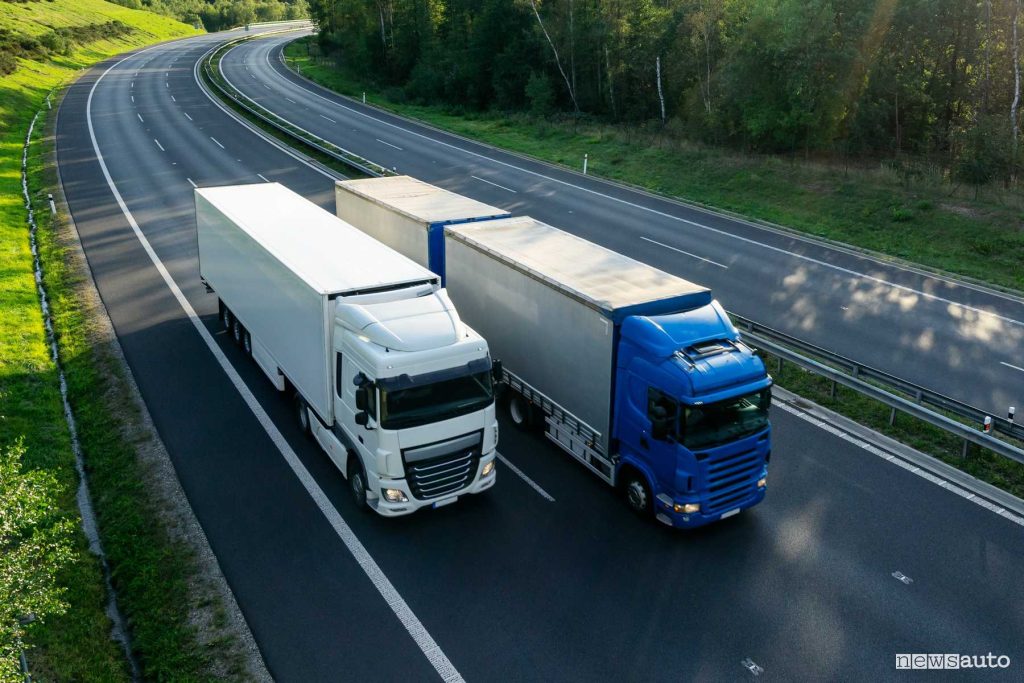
[
  {"x": 326, "y": 147},
  {"x": 777, "y": 343},
  {"x": 854, "y": 374}
]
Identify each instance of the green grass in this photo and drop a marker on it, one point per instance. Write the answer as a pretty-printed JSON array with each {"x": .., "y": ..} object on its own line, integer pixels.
[
  {"x": 916, "y": 217},
  {"x": 75, "y": 646}
]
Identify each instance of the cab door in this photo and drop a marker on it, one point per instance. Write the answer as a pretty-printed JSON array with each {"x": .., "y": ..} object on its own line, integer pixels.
[
  {"x": 364, "y": 438},
  {"x": 663, "y": 417}
]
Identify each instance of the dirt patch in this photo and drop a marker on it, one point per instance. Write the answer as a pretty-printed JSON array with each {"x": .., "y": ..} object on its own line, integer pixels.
[{"x": 960, "y": 210}]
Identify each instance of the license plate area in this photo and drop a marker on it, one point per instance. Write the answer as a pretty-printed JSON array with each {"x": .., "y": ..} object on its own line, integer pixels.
[
  {"x": 450, "y": 500},
  {"x": 730, "y": 513}
]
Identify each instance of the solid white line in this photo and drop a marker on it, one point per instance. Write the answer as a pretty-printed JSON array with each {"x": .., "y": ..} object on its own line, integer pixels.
[
  {"x": 263, "y": 177},
  {"x": 1011, "y": 366},
  {"x": 824, "y": 264},
  {"x": 699, "y": 258},
  {"x": 186, "y": 115},
  {"x": 217, "y": 141},
  {"x": 328, "y": 118},
  {"x": 483, "y": 180},
  {"x": 159, "y": 145},
  {"x": 380, "y": 581},
  {"x": 913, "y": 469},
  {"x": 191, "y": 182},
  {"x": 534, "y": 485},
  {"x": 388, "y": 144},
  {"x": 140, "y": 117}
]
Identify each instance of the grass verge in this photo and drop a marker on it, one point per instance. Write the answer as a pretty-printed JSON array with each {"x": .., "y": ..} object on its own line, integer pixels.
[
  {"x": 909, "y": 213},
  {"x": 151, "y": 570}
]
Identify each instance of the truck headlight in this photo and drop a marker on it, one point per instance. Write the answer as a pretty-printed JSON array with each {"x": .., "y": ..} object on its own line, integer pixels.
[
  {"x": 687, "y": 508},
  {"x": 394, "y": 496},
  {"x": 488, "y": 469},
  {"x": 762, "y": 482}
]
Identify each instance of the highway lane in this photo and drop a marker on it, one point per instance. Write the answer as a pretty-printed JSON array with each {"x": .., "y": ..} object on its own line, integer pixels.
[
  {"x": 510, "y": 584},
  {"x": 953, "y": 338}
]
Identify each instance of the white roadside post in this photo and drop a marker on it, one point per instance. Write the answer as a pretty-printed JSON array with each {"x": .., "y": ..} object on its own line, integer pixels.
[{"x": 585, "y": 163}]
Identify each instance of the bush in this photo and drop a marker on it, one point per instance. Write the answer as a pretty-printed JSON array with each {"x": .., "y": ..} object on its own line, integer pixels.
[
  {"x": 541, "y": 94},
  {"x": 35, "y": 543}
]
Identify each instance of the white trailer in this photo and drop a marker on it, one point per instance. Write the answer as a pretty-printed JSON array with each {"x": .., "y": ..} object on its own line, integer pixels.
[
  {"x": 408, "y": 215},
  {"x": 383, "y": 373}
]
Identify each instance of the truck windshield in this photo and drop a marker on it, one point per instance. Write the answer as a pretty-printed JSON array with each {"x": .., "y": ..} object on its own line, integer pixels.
[
  {"x": 718, "y": 423},
  {"x": 436, "y": 401}
]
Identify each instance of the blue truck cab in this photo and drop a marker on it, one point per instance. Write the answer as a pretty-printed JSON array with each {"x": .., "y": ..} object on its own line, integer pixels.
[{"x": 690, "y": 417}]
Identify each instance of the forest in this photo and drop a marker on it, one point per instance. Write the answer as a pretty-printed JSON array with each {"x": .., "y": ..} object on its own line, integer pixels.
[{"x": 933, "y": 79}]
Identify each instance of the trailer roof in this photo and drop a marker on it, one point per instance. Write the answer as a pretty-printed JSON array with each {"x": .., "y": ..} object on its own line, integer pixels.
[
  {"x": 330, "y": 255},
  {"x": 421, "y": 201},
  {"x": 601, "y": 278}
]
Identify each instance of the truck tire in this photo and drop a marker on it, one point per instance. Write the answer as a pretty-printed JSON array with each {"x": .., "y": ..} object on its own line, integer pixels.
[
  {"x": 520, "y": 411},
  {"x": 225, "y": 316},
  {"x": 247, "y": 343},
  {"x": 302, "y": 414},
  {"x": 637, "y": 494},
  {"x": 357, "y": 482},
  {"x": 237, "y": 331}
]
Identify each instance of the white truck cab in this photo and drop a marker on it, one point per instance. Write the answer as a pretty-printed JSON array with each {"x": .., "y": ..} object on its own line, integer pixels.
[{"x": 415, "y": 400}]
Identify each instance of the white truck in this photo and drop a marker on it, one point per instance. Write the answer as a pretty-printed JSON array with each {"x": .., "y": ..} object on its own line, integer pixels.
[{"x": 383, "y": 373}]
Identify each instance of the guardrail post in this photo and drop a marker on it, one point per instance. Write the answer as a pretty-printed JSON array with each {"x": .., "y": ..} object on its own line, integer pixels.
[
  {"x": 963, "y": 451},
  {"x": 832, "y": 391},
  {"x": 892, "y": 417}
]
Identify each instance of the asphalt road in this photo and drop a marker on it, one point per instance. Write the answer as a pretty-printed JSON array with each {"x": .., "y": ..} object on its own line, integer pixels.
[
  {"x": 956, "y": 339},
  {"x": 509, "y": 585}
]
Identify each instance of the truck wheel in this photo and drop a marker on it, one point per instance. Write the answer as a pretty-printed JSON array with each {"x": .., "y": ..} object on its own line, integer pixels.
[
  {"x": 247, "y": 343},
  {"x": 357, "y": 483},
  {"x": 237, "y": 331},
  {"x": 638, "y": 494},
  {"x": 520, "y": 411},
  {"x": 225, "y": 316},
  {"x": 302, "y": 413}
]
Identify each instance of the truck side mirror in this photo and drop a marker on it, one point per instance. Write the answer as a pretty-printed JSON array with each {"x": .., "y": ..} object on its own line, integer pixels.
[
  {"x": 497, "y": 371},
  {"x": 360, "y": 379},
  {"x": 362, "y": 399},
  {"x": 362, "y": 418}
]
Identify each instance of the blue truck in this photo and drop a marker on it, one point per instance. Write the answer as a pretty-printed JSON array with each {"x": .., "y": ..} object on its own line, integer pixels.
[{"x": 636, "y": 373}]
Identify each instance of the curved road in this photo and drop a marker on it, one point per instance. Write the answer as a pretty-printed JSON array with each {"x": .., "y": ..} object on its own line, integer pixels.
[
  {"x": 510, "y": 584},
  {"x": 956, "y": 339}
]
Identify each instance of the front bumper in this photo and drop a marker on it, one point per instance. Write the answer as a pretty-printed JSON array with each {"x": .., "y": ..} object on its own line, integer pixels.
[
  {"x": 388, "y": 509},
  {"x": 667, "y": 515}
]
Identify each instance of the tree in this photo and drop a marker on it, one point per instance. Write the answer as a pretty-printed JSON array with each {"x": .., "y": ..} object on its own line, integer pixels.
[{"x": 35, "y": 544}]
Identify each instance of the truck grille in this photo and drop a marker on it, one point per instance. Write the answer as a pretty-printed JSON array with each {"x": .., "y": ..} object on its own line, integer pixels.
[
  {"x": 444, "y": 468},
  {"x": 731, "y": 478}
]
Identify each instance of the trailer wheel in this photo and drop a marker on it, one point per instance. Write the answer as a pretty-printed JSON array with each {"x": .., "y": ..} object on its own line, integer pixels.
[
  {"x": 225, "y": 316},
  {"x": 237, "y": 331},
  {"x": 247, "y": 343},
  {"x": 357, "y": 482},
  {"x": 520, "y": 411},
  {"x": 302, "y": 414},
  {"x": 637, "y": 493}
]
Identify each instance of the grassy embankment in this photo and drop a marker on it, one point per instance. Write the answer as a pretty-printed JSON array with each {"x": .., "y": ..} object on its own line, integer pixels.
[
  {"x": 150, "y": 571},
  {"x": 916, "y": 219},
  {"x": 920, "y": 222}
]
